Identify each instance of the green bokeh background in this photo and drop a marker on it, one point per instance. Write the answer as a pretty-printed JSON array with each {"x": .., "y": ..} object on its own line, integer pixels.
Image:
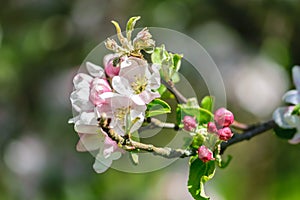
[{"x": 42, "y": 43}]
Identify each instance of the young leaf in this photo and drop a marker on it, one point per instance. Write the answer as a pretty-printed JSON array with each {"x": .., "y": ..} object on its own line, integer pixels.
[
  {"x": 157, "y": 107},
  {"x": 200, "y": 173},
  {"x": 207, "y": 103},
  {"x": 176, "y": 61},
  {"x": 130, "y": 26}
]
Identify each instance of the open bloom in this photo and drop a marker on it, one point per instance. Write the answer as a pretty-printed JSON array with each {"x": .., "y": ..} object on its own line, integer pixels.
[
  {"x": 136, "y": 81},
  {"x": 283, "y": 115},
  {"x": 94, "y": 139},
  {"x": 80, "y": 97},
  {"x": 89, "y": 89},
  {"x": 126, "y": 115}
]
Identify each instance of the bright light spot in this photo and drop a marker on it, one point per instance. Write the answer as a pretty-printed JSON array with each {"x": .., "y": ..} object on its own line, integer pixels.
[
  {"x": 259, "y": 86},
  {"x": 25, "y": 156}
]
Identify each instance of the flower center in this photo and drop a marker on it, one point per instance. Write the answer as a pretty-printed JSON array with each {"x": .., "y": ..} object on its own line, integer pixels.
[
  {"x": 139, "y": 85},
  {"x": 121, "y": 113}
]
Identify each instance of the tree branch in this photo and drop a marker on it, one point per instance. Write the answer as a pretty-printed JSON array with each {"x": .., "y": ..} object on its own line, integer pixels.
[
  {"x": 171, "y": 87},
  {"x": 128, "y": 144},
  {"x": 248, "y": 134}
]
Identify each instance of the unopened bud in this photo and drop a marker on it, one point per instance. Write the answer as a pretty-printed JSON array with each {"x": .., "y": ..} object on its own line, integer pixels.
[
  {"x": 205, "y": 154},
  {"x": 211, "y": 127},
  {"x": 225, "y": 133},
  {"x": 189, "y": 123},
  {"x": 223, "y": 117},
  {"x": 111, "y": 66}
]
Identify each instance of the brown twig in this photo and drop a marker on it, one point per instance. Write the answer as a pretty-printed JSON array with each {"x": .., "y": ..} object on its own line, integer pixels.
[
  {"x": 171, "y": 87},
  {"x": 250, "y": 133}
]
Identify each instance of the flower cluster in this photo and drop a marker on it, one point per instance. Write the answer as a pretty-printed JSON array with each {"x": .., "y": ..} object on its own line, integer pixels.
[
  {"x": 288, "y": 117},
  {"x": 223, "y": 118},
  {"x": 120, "y": 92},
  {"x": 208, "y": 137}
]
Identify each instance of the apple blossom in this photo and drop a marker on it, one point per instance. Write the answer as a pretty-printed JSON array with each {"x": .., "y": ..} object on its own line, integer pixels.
[
  {"x": 126, "y": 114},
  {"x": 136, "y": 81},
  {"x": 98, "y": 87},
  {"x": 283, "y": 115}
]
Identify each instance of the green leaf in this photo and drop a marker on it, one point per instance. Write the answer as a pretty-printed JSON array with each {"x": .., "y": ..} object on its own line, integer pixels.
[
  {"x": 176, "y": 61},
  {"x": 207, "y": 103},
  {"x": 192, "y": 108},
  {"x": 296, "y": 110},
  {"x": 159, "y": 55},
  {"x": 157, "y": 107},
  {"x": 200, "y": 173},
  {"x": 130, "y": 26},
  {"x": 285, "y": 133},
  {"x": 221, "y": 163}
]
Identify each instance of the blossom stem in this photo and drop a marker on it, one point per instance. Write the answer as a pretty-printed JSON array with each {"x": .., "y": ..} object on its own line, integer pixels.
[{"x": 240, "y": 126}]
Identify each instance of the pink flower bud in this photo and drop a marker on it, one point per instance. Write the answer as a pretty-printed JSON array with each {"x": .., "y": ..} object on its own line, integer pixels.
[
  {"x": 225, "y": 134},
  {"x": 111, "y": 67},
  {"x": 98, "y": 87},
  {"x": 211, "y": 127},
  {"x": 189, "y": 123},
  {"x": 205, "y": 154},
  {"x": 223, "y": 117}
]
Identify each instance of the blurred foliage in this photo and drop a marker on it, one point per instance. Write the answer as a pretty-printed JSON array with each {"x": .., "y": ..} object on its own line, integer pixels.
[{"x": 43, "y": 42}]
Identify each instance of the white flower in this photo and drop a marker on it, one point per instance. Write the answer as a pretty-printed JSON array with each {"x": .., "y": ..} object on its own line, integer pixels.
[
  {"x": 126, "y": 114},
  {"x": 93, "y": 138},
  {"x": 136, "y": 81},
  {"x": 283, "y": 115},
  {"x": 86, "y": 96},
  {"x": 80, "y": 97}
]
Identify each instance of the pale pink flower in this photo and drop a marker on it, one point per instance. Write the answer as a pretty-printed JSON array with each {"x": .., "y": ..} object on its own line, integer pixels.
[
  {"x": 126, "y": 115},
  {"x": 136, "y": 81},
  {"x": 98, "y": 87}
]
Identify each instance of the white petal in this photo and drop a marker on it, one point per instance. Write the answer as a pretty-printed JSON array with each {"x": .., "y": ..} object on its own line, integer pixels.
[
  {"x": 121, "y": 85},
  {"x": 115, "y": 155},
  {"x": 295, "y": 139},
  {"x": 82, "y": 80},
  {"x": 279, "y": 116},
  {"x": 80, "y": 100},
  {"x": 95, "y": 70},
  {"x": 292, "y": 96},
  {"x": 90, "y": 142},
  {"x": 73, "y": 120},
  {"x": 101, "y": 164},
  {"x": 148, "y": 96},
  {"x": 296, "y": 76},
  {"x": 138, "y": 100},
  {"x": 87, "y": 129}
]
